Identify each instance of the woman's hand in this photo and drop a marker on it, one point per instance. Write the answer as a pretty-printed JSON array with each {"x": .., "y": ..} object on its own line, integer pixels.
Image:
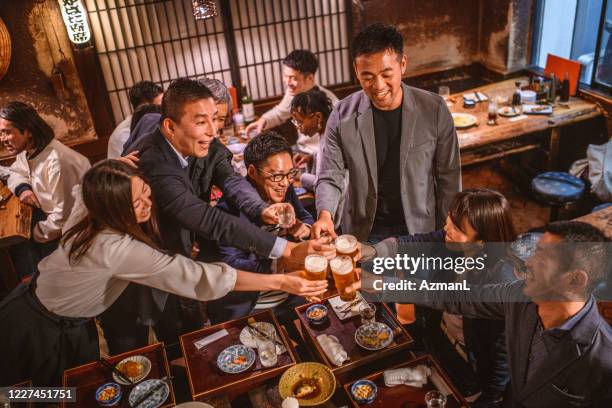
[
  {"x": 295, "y": 284},
  {"x": 302, "y": 159}
]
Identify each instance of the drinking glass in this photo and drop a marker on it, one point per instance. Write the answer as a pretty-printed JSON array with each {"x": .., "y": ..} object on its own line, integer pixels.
[
  {"x": 368, "y": 313},
  {"x": 265, "y": 345},
  {"x": 492, "y": 115},
  {"x": 435, "y": 399},
  {"x": 286, "y": 217},
  {"x": 444, "y": 91},
  {"x": 343, "y": 272}
]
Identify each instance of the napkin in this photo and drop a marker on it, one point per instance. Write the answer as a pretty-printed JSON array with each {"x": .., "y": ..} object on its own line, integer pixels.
[
  {"x": 333, "y": 349},
  {"x": 413, "y": 376},
  {"x": 209, "y": 339}
]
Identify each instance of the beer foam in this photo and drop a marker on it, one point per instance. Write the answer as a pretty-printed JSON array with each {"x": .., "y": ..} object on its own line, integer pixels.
[
  {"x": 341, "y": 265},
  {"x": 345, "y": 243},
  {"x": 315, "y": 263}
]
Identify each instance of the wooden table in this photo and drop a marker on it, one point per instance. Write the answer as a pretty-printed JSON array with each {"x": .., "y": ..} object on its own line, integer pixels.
[
  {"x": 207, "y": 380},
  {"x": 87, "y": 378},
  {"x": 482, "y": 143}
]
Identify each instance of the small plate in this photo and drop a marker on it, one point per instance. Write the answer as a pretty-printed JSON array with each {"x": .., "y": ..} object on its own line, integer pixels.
[
  {"x": 236, "y": 359},
  {"x": 364, "y": 383},
  {"x": 508, "y": 112},
  {"x": 146, "y": 369},
  {"x": 318, "y": 308},
  {"x": 464, "y": 120},
  {"x": 111, "y": 402},
  {"x": 248, "y": 340},
  {"x": 156, "y": 399},
  {"x": 373, "y": 336}
]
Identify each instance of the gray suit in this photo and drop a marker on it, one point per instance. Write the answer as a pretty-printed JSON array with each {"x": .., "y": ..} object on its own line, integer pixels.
[{"x": 430, "y": 173}]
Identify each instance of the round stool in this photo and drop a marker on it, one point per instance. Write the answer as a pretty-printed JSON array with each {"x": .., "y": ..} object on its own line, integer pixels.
[
  {"x": 555, "y": 189},
  {"x": 600, "y": 207},
  {"x": 525, "y": 245}
]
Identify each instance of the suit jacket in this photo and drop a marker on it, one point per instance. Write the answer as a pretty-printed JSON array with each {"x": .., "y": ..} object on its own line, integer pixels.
[
  {"x": 182, "y": 214},
  {"x": 430, "y": 173},
  {"x": 579, "y": 372},
  {"x": 238, "y": 304}
]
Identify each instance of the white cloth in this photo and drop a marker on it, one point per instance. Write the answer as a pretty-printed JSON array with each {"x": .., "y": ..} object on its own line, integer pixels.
[
  {"x": 51, "y": 174},
  {"x": 282, "y": 113},
  {"x": 118, "y": 138},
  {"x": 413, "y": 376},
  {"x": 90, "y": 286},
  {"x": 333, "y": 349}
]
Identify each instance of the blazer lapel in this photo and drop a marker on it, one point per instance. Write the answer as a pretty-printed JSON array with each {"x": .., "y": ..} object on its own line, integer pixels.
[
  {"x": 409, "y": 116},
  {"x": 365, "y": 126}
]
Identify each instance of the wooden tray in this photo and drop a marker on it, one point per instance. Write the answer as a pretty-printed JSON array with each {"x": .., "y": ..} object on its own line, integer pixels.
[
  {"x": 405, "y": 396},
  {"x": 344, "y": 330},
  {"x": 207, "y": 380},
  {"x": 23, "y": 384},
  {"x": 87, "y": 378}
]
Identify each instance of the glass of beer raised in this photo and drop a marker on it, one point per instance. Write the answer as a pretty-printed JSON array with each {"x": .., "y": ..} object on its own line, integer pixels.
[
  {"x": 343, "y": 272},
  {"x": 316, "y": 267},
  {"x": 347, "y": 245}
]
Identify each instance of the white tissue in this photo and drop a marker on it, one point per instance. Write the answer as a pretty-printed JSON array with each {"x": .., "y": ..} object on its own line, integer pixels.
[
  {"x": 332, "y": 349},
  {"x": 413, "y": 376}
]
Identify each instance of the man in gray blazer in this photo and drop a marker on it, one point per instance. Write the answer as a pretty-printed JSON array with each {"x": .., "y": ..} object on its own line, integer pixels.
[{"x": 398, "y": 144}]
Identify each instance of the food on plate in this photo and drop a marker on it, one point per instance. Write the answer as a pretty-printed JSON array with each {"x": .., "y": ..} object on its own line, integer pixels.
[
  {"x": 317, "y": 313},
  {"x": 363, "y": 391},
  {"x": 108, "y": 393},
  {"x": 239, "y": 360},
  {"x": 131, "y": 368},
  {"x": 307, "y": 387}
]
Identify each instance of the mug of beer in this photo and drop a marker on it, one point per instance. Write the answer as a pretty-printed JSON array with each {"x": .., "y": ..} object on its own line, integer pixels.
[
  {"x": 343, "y": 272},
  {"x": 316, "y": 267},
  {"x": 347, "y": 245}
]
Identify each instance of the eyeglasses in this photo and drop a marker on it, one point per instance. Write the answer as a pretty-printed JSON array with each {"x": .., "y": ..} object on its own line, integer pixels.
[{"x": 277, "y": 178}]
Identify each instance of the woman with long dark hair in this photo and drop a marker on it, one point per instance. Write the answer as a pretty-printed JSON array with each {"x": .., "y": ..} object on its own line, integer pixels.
[
  {"x": 112, "y": 240},
  {"x": 43, "y": 174}
]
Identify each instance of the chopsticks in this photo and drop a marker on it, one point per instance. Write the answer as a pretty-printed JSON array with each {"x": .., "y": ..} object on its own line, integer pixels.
[
  {"x": 251, "y": 325},
  {"x": 114, "y": 369}
]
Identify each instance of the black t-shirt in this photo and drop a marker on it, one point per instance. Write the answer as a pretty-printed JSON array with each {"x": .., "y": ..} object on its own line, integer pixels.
[{"x": 387, "y": 133}]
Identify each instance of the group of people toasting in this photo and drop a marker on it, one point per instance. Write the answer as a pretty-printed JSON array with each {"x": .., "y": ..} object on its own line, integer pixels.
[{"x": 138, "y": 244}]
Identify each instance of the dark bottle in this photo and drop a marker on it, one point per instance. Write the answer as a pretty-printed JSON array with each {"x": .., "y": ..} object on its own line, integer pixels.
[
  {"x": 516, "y": 96},
  {"x": 565, "y": 88}
]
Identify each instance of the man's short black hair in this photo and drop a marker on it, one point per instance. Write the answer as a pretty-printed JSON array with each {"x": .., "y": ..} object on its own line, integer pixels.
[
  {"x": 180, "y": 92},
  {"x": 266, "y": 144},
  {"x": 303, "y": 61},
  {"x": 377, "y": 38},
  {"x": 584, "y": 247},
  {"x": 143, "y": 92}
]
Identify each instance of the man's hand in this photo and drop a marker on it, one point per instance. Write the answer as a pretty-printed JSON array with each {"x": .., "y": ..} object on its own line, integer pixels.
[
  {"x": 300, "y": 230},
  {"x": 130, "y": 159},
  {"x": 294, "y": 283},
  {"x": 302, "y": 159},
  {"x": 293, "y": 257},
  {"x": 28, "y": 197},
  {"x": 257, "y": 126},
  {"x": 270, "y": 214},
  {"x": 324, "y": 224}
]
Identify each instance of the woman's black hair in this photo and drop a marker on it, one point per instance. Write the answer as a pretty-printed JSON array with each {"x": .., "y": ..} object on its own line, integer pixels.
[
  {"x": 24, "y": 117},
  {"x": 312, "y": 101}
]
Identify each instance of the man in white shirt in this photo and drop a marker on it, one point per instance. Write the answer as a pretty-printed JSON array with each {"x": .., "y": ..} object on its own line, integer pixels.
[
  {"x": 299, "y": 69},
  {"x": 141, "y": 93}
]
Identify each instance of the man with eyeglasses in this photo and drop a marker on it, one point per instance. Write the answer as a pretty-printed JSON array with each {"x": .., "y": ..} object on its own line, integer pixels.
[{"x": 270, "y": 171}]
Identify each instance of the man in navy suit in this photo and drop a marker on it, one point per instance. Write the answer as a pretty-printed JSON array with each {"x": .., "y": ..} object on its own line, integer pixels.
[
  {"x": 559, "y": 346},
  {"x": 269, "y": 161}
]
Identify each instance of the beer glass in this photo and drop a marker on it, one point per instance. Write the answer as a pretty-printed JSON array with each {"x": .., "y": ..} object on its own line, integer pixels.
[
  {"x": 316, "y": 267},
  {"x": 347, "y": 245},
  {"x": 343, "y": 272}
]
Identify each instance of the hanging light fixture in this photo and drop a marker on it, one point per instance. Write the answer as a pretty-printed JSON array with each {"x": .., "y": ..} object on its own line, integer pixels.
[{"x": 203, "y": 9}]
